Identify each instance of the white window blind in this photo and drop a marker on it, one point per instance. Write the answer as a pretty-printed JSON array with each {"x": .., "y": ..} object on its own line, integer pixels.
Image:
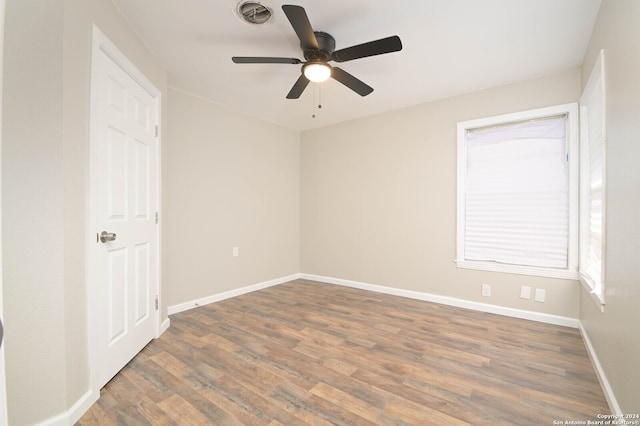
[
  {"x": 517, "y": 194},
  {"x": 592, "y": 181}
]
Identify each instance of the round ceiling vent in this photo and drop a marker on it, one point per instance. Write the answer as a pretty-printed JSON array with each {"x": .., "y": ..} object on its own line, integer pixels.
[{"x": 254, "y": 12}]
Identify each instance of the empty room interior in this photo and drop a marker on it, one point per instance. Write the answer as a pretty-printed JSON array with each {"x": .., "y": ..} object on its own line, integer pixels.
[{"x": 198, "y": 230}]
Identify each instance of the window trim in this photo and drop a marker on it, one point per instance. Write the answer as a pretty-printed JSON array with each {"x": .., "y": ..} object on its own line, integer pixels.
[
  {"x": 596, "y": 78},
  {"x": 571, "y": 111}
]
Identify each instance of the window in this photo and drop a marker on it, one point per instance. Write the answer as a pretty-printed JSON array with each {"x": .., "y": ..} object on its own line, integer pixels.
[
  {"x": 592, "y": 182},
  {"x": 518, "y": 193}
]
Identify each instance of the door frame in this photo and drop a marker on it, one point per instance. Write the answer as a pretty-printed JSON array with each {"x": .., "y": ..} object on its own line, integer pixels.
[{"x": 102, "y": 45}]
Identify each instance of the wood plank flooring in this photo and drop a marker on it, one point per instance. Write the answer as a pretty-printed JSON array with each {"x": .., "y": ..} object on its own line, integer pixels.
[{"x": 318, "y": 354}]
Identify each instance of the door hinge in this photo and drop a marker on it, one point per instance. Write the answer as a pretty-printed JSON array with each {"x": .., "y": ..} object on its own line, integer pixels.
[
  {"x": 156, "y": 302},
  {"x": 156, "y": 130},
  {"x": 156, "y": 218}
]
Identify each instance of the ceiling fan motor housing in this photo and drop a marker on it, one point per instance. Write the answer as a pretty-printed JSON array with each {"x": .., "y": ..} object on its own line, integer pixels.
[{"x": 326, "y": 46}]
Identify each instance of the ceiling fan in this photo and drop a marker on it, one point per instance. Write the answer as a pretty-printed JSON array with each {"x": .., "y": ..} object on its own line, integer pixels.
[{"x": 318, "y": 49}]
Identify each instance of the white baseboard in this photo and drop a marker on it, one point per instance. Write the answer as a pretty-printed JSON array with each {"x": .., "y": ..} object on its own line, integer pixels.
[
  {"x": 451, "y": 301},
  {"x": 73, "y": 414},
  {"x": 84, "y": 403},
  {"x": 494, "y": 309},
  {"x": 174, "y": 309},
  {"x": 164, "y": 326},
  {"x": 602, "y": 378},
  {"x": 445, "y": 300}
]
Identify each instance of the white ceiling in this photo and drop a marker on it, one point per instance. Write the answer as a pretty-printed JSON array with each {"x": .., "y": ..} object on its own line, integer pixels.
[{"x": 450, "y": 47}]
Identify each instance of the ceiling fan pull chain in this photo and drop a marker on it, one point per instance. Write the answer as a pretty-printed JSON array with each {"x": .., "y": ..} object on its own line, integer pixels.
[
  {"x": 313, "y": 101},
  {"x": 317, "y": 93}
]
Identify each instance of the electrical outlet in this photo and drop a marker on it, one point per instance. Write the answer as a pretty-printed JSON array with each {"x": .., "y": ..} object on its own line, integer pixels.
[
  {"x": 236, "y": 252},
  {"x": 525, "y": 292},
  {"x": 540, "y": 295},
  {"x": 486, "y": 290}
]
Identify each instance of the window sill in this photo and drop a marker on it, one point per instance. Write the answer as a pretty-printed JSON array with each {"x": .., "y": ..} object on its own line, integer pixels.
[
  {"x": 517, "y": 269},
  {"x": 597, "y": 297}
]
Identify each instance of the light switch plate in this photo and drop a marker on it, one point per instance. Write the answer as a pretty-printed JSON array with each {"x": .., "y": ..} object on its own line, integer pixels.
[
  {"x": 540, "y": 295},
  {"x": 486, "y": 290},
  {"x": 525, "y": 292}
]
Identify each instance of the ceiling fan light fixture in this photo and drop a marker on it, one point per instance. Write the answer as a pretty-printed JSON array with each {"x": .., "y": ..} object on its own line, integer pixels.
[{"x": 317, "y": 72}]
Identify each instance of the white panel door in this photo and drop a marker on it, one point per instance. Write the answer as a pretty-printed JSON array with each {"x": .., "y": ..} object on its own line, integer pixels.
[{"x": 124, "y": 174}]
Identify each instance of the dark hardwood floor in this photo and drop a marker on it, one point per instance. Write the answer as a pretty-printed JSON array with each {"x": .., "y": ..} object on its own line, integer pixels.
[{"x": 311, "y": 353}]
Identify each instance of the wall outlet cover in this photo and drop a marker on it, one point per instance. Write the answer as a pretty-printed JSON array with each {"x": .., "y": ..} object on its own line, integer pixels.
[
  {"x": 525, "y": 292},
  {"x": 540, "y": 295}
]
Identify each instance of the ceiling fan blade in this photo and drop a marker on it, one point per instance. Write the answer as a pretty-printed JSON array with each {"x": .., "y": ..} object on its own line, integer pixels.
[
  {"x": 372, "y": 48},
  {"x": 351, "y": 82},
  {"x": 264, "y": 60},
  {"x": 298, "y": 87},
  {"x": 301, "y": 25}
]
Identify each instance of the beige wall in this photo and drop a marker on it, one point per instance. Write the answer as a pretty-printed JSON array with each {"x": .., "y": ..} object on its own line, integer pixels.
[
  {"x": 379, "y": 198},
  {"x": 231, "y": 180},
  {"x": 45, "y": 142},
  {"x": 615, "y": 334},
  {"x": 33, "y": 214},
  {"x": 371, "y": 200}
]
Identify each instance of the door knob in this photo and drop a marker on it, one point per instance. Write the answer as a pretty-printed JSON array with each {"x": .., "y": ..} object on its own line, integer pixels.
[{"x": 105, "y": 236}]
